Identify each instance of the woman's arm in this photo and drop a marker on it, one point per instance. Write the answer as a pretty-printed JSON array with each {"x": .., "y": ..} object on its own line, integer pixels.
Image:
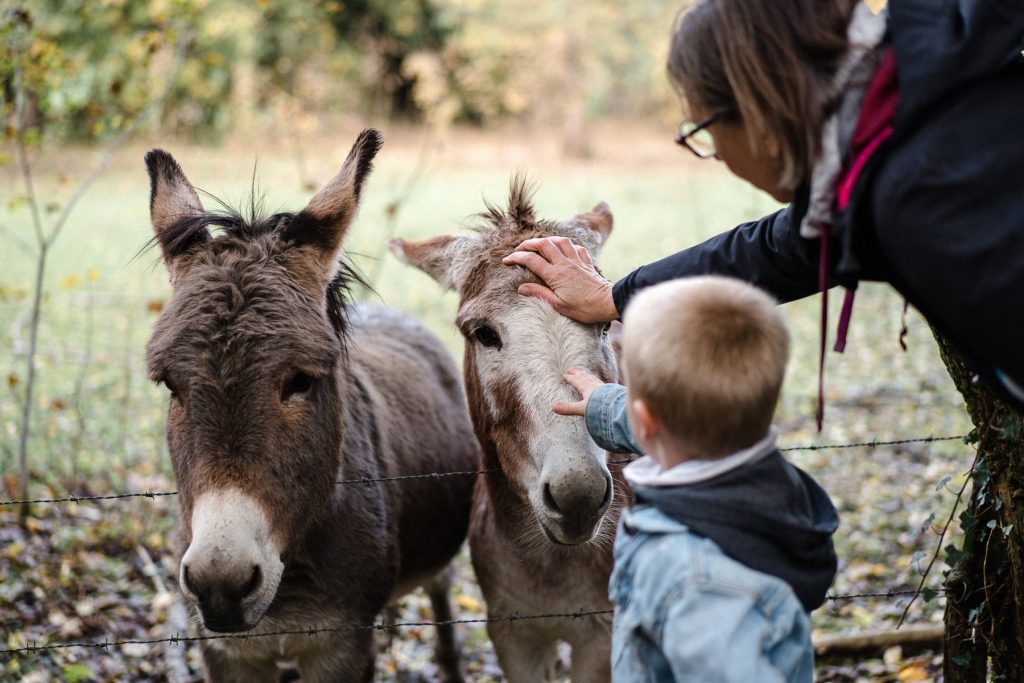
[{"x": 768, "y": 253}]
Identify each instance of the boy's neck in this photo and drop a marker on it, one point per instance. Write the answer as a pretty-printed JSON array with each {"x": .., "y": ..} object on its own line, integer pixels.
[{"x": 668, "y": 452}]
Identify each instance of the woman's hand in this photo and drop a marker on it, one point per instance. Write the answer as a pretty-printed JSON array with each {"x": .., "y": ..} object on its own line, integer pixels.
[
  {"x": 584, "y": 383},
  {"x": 572, "y": 284}
]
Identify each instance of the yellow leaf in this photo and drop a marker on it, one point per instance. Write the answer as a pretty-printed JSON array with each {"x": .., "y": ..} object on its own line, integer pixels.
[
  {"x": 34, "y": 525},
  {"x": 468, "y": 603},
  {"x": 875, "y": 6},
  {"x": 70, "y": 281},
  {"x": 93, "y": 274},
  {"x": 914, "y": 671}
]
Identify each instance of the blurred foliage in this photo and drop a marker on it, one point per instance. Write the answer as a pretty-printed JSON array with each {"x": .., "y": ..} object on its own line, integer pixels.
[
  {"x": 534, "y": 56},
  {"x": 91, "y": 65}
]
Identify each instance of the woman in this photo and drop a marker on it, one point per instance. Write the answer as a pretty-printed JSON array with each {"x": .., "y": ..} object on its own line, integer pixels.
[{"x": 898, "y": 140}]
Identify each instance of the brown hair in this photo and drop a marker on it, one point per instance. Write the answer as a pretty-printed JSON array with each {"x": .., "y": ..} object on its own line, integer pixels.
[
  {"x": 708, "y": 355},
  {"x": 768, "y": 64}
]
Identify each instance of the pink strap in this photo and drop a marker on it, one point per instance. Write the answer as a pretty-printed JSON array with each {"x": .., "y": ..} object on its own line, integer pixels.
[
  {"x": 844, "y": 321},
  {"x": 874, "y": 126}
]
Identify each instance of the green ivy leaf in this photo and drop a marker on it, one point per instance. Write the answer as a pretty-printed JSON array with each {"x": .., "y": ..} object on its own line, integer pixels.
[
  {"x": 928, "y": 522},
  {"x": 74, "y": 673}
]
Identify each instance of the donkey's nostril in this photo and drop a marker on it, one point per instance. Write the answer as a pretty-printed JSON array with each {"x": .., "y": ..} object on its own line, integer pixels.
[
  {"x": 188, "y": 584},
  {"x": 549, "y": 500},
  {"x": 607, "y": 491},
  {"x": 254, "y": 583}
]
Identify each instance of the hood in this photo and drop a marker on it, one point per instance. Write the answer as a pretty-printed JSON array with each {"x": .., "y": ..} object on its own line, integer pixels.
[{"x": 768, "y": 515}]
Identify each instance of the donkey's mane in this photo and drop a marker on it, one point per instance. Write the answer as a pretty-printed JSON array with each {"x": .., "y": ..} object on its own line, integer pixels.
[
  {"x": 519, "y": 217},
  {"x": 500, "y": 229},
  {"x": 193, "y": 230}
]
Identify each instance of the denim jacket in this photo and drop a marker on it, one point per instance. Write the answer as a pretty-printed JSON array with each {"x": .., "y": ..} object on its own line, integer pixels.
[
  {"x": 684, "y": 611},
  {"x": 606, "y": 420}
]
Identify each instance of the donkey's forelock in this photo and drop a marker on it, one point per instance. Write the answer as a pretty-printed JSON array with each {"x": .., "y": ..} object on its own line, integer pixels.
[
  {"x": 501, "y": 230},
  {"x": 519, "y": 216},
  {"x": 253, "y": 237}
]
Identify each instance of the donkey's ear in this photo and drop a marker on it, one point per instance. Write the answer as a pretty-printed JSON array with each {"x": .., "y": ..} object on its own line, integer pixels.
[
  {"x": 447, "y": 259},
  {"x": 172, "y": 202},
  {"x": 325, "y": 220},
  {"x": 597, "y": 224}
]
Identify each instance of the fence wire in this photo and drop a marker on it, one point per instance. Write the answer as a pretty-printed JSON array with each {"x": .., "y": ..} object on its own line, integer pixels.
[
  {"x": 492, "y": 470},
  {"x": 379, "y": 626}
]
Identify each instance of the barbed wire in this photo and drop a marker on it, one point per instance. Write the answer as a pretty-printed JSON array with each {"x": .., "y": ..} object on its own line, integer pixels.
[
  {"x": 439, "y": 475},
  {"x": 378, "y": 626},
  {"x": 79, "y": 499},
  {"x": 887, "y": 594},
  {"x": 873, "y": 444}
]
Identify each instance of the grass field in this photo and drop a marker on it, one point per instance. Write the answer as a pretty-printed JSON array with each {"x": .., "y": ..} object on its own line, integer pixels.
[{"x": 98, "y": 424}]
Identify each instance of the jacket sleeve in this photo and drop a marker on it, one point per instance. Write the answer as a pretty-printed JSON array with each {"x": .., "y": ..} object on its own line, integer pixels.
[
  {"x": 768, "y": 253},
  {"x": 734, "y": 650},
  {"x": 606, "y": 420}
]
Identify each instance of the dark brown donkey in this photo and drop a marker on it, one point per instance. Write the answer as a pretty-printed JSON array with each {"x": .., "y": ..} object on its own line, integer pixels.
[
  {"x": 543, "y": 525},
  {"x": 279, "y": 392}
]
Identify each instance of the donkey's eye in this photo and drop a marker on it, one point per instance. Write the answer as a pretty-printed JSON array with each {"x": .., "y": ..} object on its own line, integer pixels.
[
  {"x": 171, "y": 388},
  {"x": 487, "y": 336},
  {"x": 300, "y": 383}
]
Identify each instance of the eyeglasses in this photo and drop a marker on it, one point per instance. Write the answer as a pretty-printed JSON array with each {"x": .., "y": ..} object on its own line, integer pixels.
[{"x": 697, "y": 138}]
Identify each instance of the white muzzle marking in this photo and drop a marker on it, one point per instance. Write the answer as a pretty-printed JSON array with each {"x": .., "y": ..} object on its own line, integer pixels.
[{"x": 232, "y": 567}]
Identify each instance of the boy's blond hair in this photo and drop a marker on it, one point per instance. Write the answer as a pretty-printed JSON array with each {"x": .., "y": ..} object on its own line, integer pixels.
[{"x": 708, "y": 355}]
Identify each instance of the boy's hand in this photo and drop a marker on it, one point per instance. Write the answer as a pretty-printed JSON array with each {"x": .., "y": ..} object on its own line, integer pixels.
[{"x": 584, "y": 383}]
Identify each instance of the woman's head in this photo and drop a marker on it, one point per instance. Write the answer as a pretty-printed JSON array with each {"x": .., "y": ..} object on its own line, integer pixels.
[{"x": 763, "y": 69}]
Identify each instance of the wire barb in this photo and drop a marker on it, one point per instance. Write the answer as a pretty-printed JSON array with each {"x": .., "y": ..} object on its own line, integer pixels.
[{"x": 462, "y": 473}]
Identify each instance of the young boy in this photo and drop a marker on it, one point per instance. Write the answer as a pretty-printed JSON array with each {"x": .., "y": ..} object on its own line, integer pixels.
[{"x": 728, "y": 546}]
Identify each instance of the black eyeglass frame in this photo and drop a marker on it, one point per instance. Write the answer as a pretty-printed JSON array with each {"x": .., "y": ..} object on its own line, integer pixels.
[{"x": 682, "y": 139}]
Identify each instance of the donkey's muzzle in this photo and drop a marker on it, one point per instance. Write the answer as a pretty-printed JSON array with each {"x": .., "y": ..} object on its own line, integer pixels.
[
  {"x": 232, "y": 567},
  {"x": 574, "y": 506},
  {"x": 222, "y": 598}
]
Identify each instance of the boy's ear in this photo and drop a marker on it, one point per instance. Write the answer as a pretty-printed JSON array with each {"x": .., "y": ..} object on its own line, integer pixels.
[
  {"x": 322, "y": 225},
  {"x": 597, "y": 226},
  {"x": 447, "y": 259},
  {"x": 648, "y": 426}
]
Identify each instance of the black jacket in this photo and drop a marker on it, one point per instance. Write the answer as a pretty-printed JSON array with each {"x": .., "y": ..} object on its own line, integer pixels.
[
  {"x": 939, "y": 212},
  {"x": 768, "y": 515}
]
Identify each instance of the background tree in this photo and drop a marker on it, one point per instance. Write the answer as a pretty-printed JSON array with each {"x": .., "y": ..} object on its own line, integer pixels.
[{"x": 985, "y": 587}]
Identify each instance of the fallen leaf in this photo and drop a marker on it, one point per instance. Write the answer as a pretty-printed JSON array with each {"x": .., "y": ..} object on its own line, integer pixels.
[{"x": 914, "y": 671}]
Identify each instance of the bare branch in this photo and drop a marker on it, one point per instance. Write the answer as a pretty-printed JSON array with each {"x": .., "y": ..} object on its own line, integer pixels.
[{"x": 16, "y": 240}]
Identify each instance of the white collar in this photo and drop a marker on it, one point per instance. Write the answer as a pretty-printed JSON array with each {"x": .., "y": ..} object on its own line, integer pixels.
[{"x": 646, "y": 472}]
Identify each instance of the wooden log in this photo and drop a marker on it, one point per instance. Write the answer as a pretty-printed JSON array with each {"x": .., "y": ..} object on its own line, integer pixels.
[{"x": 914, "y": 635}]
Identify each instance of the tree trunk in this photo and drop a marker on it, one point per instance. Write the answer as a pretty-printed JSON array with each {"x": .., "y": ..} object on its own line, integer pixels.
[{"x": 985, "y": 588}]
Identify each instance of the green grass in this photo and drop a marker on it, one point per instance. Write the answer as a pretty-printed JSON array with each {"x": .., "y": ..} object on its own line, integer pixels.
[{"x": 98, "y": 422}]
